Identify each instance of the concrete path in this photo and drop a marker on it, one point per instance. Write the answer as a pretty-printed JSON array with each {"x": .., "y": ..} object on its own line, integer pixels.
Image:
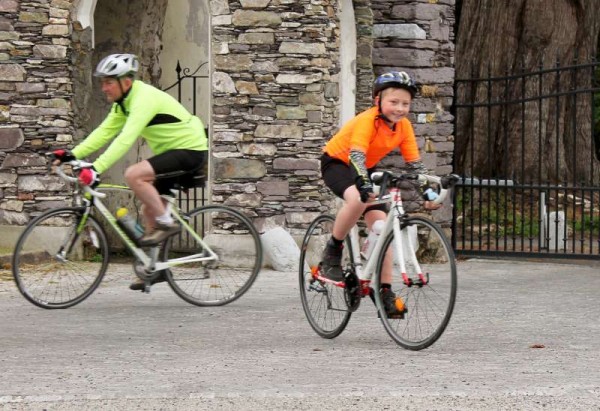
[{"x": 126, "y": 350}]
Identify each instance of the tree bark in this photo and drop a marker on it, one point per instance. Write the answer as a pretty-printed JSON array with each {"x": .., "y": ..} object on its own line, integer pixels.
[{"x": 533, "y": 139}]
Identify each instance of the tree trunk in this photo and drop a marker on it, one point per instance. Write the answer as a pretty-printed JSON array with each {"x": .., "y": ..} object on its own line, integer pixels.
[{"x": 531, "y": 139}]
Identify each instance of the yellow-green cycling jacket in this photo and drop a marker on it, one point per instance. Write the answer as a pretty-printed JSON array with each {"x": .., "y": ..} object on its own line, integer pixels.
[{"x": 148, "y": 112}]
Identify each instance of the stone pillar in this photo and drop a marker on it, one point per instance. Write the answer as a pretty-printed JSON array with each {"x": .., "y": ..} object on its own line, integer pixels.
[
  {"x": 35, "y": 105},
  {"x": 275, "y": 92},
  {"x": 417, "y": 36}
]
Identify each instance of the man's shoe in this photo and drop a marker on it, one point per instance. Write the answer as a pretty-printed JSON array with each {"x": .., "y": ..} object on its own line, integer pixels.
[
  {"x": 394, "y": 306},
  {"x": 331, "y": 263},
  {"x": 139, "y": 285},
  {"x": 160, "y": 233}
]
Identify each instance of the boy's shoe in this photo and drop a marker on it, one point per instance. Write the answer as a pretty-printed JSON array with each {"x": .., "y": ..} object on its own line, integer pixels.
[
  {"x": 331, "y": 263},
  {"x": 160, "y": 233},
  {"x": 394, "y": 306}
]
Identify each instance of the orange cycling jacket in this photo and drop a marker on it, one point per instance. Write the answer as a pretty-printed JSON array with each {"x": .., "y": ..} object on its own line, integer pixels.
[{"x": 368, "y": 133}]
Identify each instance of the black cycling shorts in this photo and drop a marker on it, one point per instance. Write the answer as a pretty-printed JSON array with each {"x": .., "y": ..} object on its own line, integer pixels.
[
  {"x": 338, "y": 176},
  {"x": 190, "y": 161}
]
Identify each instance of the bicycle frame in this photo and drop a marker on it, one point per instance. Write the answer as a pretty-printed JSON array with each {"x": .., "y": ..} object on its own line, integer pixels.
[
  {"x": 391, "y": 225},
  {"x": 92, "y": 199}
]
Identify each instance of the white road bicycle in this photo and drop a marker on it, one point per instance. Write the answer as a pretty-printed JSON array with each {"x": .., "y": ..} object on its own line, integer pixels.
[
  {"x": 423, "y": 269},
  {"x": 63, "y": 254}
]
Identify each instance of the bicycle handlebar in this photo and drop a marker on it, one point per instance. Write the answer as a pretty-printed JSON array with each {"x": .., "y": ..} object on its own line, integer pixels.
[
  {"x": 77, "y": 164},
  {"x": 441, "y": 185}
]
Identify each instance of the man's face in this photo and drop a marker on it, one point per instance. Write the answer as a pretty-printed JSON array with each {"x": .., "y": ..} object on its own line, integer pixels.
[
  {"x": 114, "y": 88},
  {"x": 395, "y": 103}
]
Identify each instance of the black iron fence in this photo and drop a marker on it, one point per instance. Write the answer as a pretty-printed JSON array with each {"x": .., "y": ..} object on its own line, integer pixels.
[
  {"x": 187, "y": 90},
  {"x": 529, "y": 148}
]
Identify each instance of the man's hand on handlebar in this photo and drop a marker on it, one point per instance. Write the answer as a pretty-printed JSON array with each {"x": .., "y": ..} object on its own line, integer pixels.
[
  {"x": 61, "y": 156},
  {"x": 89, "y": 177}
]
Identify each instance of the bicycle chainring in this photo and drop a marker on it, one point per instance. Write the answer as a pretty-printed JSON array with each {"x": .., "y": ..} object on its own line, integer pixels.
[{"x": 352, "y": 292}]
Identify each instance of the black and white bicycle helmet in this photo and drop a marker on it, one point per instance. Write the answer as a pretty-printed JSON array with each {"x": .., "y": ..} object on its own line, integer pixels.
[
  {"x": 118, "y": 65},
  {"x": 399, "y": 79}
]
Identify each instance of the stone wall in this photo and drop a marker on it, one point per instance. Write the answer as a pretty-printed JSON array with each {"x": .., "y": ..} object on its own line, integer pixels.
[
  {"x": 275, "y": 92},
  {"x": 274, "y": 95},
  {"x": 35, "y": 104}
]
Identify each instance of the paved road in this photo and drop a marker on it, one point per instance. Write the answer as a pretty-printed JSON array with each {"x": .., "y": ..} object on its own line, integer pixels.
[{"x": 126, "y": 350}]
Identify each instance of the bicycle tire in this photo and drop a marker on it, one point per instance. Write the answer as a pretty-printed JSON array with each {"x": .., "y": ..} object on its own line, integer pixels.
[
  {"x": 429, "y": 307},
  {"x": 324, "y": 303},
  {"x": 40, "y": 275},
  {"x": 220, "y": 282}
]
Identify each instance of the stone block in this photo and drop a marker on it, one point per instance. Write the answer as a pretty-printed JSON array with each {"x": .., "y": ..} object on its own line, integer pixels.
[
  {"x": 274, "y": 188},
  {"x": 281, "y": 251},
  {"x": 218, "y": 7},
  {"x": 254, "y": 4},
  {"x": 257, "y": 38},
  {"x": 250, "y": 18},
  {"x": 41, "y": 183},
  {"x": 278, "y": 131},
  {"x": 12, "y": 72},
  {"x": 223, "y": 83},
  {"x": 256, "y": 149},
  {"x": 9, "y": 6},
  {"x": 11, "y": 138},
  {"x": 55, "y": 30},
  {"x": 8, "y": 179},
  {"x": 50, "y": 51},
  {"x": 33, "y": 17},
  {"x": 298, "y": 78},
  {"x": 13, "y": 218},
  {"x": 246, "y": 87},
  {"x": 226, "y": 168},
  {"x": 400, "y": 31},
  {"x": 286, "y": 163},
  {"x": 291, "y": 113},
  {"x": 229, "y": 63},
  {"x": 302, "y": 48}
]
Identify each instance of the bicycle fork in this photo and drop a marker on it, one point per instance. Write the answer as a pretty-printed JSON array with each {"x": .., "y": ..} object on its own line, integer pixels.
[{"x": 407, "y": 239}]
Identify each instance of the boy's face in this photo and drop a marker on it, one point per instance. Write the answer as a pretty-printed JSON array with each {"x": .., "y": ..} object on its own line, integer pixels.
[{"x": 395, "y": 103}]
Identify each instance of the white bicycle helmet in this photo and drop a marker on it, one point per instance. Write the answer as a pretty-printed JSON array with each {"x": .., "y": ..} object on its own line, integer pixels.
[{"x": 117, "y": 65}]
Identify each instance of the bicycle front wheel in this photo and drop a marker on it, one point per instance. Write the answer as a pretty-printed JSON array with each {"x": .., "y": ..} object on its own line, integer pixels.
[
  {"x": 324, "y": 303},
  {"x": 428, "y": 294},
  {"x": 60, "y": 258},
  {"x": 235, "y": 241}
]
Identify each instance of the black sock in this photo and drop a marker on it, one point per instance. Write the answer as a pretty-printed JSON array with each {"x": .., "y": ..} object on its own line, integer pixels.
[
  {"x": 386, "y": 285},
  {"x": 335, "y": 242}
]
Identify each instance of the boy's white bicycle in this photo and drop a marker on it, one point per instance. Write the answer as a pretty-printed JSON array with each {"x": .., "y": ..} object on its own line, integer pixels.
[
  {"x": 62, "y": 255},
  {"x": 422, "y": 261}
]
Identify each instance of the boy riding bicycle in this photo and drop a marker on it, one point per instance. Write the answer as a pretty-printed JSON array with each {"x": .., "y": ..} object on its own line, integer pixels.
[
  {"x": 351, "y": 156},
  {"x": 175, "y": 136}
]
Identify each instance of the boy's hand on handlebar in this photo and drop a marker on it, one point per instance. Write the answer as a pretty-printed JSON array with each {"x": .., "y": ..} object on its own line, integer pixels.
[
  {"x": 430, "y": 205},
  {"x": 365, "y": 188}
]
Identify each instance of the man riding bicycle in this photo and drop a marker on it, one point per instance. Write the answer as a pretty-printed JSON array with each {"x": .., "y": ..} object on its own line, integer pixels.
[{"x": 175, "y": 136}]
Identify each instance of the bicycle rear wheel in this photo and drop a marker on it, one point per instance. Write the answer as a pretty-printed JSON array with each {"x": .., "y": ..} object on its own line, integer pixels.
[
  {"x": 428, "y": 296},
  {"x": 324, "y": 303},
  {"x": 234, "y": 239},
  {"x": 60, "y": 258}
]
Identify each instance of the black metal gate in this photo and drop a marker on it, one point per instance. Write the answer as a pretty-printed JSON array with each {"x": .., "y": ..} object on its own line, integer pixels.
[
  {"x": 186, "y": 90},
  {"x": 528, "y": 145}
]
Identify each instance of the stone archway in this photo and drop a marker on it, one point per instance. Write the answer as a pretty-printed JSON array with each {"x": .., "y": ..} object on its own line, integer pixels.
[{"x": 106, "y": 27}]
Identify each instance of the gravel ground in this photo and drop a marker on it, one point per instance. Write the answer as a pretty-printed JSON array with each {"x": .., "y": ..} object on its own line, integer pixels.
[{"x": 524, "y": 335}]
